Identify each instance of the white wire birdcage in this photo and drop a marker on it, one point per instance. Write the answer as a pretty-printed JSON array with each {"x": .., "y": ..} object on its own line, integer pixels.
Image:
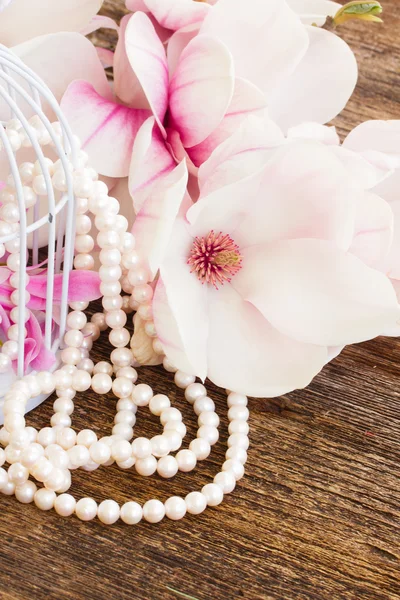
[{"x": 48, "y": 222}]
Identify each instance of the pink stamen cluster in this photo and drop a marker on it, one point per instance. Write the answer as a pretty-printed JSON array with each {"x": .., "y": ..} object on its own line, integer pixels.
[{"x": 215, "y": 258}]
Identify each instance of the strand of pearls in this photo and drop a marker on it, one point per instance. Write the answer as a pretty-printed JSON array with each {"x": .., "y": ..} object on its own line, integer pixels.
[{"x": 50, "y": 455}]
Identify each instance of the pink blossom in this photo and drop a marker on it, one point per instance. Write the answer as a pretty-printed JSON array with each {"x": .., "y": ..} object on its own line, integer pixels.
[
  {"x": 83, "y": 286},
  {"x": 303, "y": 286},
  {"x": 211, "y": 75}
]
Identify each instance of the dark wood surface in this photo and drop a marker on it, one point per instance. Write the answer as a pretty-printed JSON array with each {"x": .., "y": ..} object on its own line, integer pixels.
[{"x": 317, "y": 516}]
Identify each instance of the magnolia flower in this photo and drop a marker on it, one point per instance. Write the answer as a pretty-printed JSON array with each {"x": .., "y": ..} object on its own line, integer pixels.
[
  {"x": 261, "y": 279},
  {"x": 83, "y": 286},
  {"x": 211, "y": 77}
]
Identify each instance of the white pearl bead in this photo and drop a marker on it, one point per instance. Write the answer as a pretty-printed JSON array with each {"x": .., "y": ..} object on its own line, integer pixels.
[
  {"x": 121, "y": 450},
  {"x": 131, "y": 513},
  {"x": 108, "y": 512},
  {"x": 203, "y": 404},
  {"x": 123, "y": 430},
  {"x": 121, "y": 357},
  {"x": 25, "y": 492},
  {"x": 167, "y": 467},
  {"x": 170, "y": 414},
  {"x": 44, "y": 499},
  {"x": 79, "y": 455},
  {"x": 238, "y": 426},
  {"x": 211, "y": 434},
  {"x": 55, "y": 480},
  {"x": 100, "y": 452},
  {"x": 153, "y": 511},
  {"x": 127, "y": 464},
  {"x": 42, "y": 469},
  {"x": 128, "y": 372},
  {"x": 235, "y": 467},
  {"x": 160, "y": 446},
  {"x": 175, "y": 508},
  {"x": 31, "y": 454},
  {"x": 186, "y": 460},
  {"x": 81, "y": 381},
  {"x": 158, "y": 404},
  {"x": 18, "y": 474},
  {"x": 125, "y": 416},
  {"x": 194, "y": 391},
  {"x": 119, "y": 337},
  {"x": 183, "y": 380},
  {"x": 3, "y": 457},
  {"x": 236, "y": 400},
  {"x": 238, "y": 412},
  {"x": 213, "y": 493},
  {"x": 174, "y": 439},
  {"x": 3, "y": 478},
  {"x": 66, "y": 438},
  {"x": 196, "y": 503},
  {"x": 238, "y": 439},
  {"x": 237, "y": 453},
  {"x": 65, "y": 505},
  {"x": 146, "y": 466},
  {"x": 177, "y": 426},
  {"x": 142, "y": 394},
  {"x": 103, "y": 367},
  {"x": 57, "y": 456},
  {"x": 101, "y": 383},
  {"x": 226, "y": 480},
  {"x": 122, "y": 387},
  {"x": 141, "y": 447},
  {"x": 86, "y": 509},
  {"x": 200, "y": 447},
  {"x": 208, "y": 418},
  {"x": 86, "y": 437}
]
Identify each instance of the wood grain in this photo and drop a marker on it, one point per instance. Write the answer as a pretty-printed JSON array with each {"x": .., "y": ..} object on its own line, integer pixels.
[{"x": 317, "y": 516}]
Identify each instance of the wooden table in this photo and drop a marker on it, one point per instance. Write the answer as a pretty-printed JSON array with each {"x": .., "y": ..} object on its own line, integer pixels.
[{"x": 317, "y": 515}]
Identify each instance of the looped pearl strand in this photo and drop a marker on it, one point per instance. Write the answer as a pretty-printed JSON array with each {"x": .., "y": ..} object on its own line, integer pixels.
[{"x": 51, "y": 454}]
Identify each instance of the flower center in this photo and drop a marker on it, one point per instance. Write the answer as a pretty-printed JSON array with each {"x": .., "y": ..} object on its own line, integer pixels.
[{"x": 215, "y": 258}]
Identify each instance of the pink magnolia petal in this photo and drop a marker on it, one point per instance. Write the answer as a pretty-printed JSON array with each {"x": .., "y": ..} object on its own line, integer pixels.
[
  {"x": 394, "y": 330},
  {"x": 99, "y": 22},
  {"x": 4, "y": 274},
  {"x": 266, "y": 39},
  {"x": 320, "y": 86},
  {"x": 83, "y": 286},
  {"x": 22, "y": 20},
  {"x": 175, "y": 14},
  {"x": 147, "y": 57},
  {"x": 315, "y": 131},
  {"x": 373, "y": 231},
  {"x": 378, "y": 142},
  {"x": 135, "y": 5},
  {"x": 150, "y": 162},
  {"x": 155, "y": 221},
  {"x": 106, "y": 57},
  {"x": 177, "y": 43},
  {"x": 107, "y": 130},
  {"x": 37, "y": 356},
  {"x": 392, "y": 262},
  {"x": 248, "y": 355},
  {"x": 127, "y": 87},
  {"x": 312, "y": 291},
  {"x": 181, "y": 313},
  {"x": 201, "y": 89},
  {"x": 247, "y": 101},
  {"x": 389, "y": 187},
  {"x": 74, "y": 52},
  {"x": 314, "y": 12}
]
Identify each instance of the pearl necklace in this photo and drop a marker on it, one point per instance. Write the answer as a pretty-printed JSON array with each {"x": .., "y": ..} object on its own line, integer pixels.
[{"x": 51, "y": 454}]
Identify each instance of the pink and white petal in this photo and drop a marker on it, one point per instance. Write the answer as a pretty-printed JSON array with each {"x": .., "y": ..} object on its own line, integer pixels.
[
  {"x": 83, "y": 286},
  {"x": 312, "y": 291},
  {"x": 177, "y": 43},
  {"x": 389, "y": 188},
  {"x": 22, "y": 20},
  {"x": 106, "y": 57},
  {"x": 315, "y": 131},
  {"x": 320, "y": 86},
  {"x": 244, "y": 153},
  {"x": 373, "y": 233},
  {"x": 74, "y": 52},
  {"x": 378, "y": 142},
  {"x": 394, "y": 331},
  {"x": 266, "y": 39},
  {"x": 107, "y": 130},
  {"x": 148, "y": 60},
  {"x": 127, "y": 87},
  {"x": 247, "y": 101},
  {"x": 201, "y": 89},
  {"x": 362, "y": 172},
  {"x": 135, "y": 5},
  {"x": 154, "y": 222},
  {"x": 392, "y": 263},
  {"x": 180, "y": 307},
  {"x": 99, "y": 22},
  {"x": 150, "y": 162},
  {"x": 305, "y": 193},
  {"x": 314, "y": 11},
  {"x": 175, "y": 14},
  {"x": 248, "y": 355}
]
